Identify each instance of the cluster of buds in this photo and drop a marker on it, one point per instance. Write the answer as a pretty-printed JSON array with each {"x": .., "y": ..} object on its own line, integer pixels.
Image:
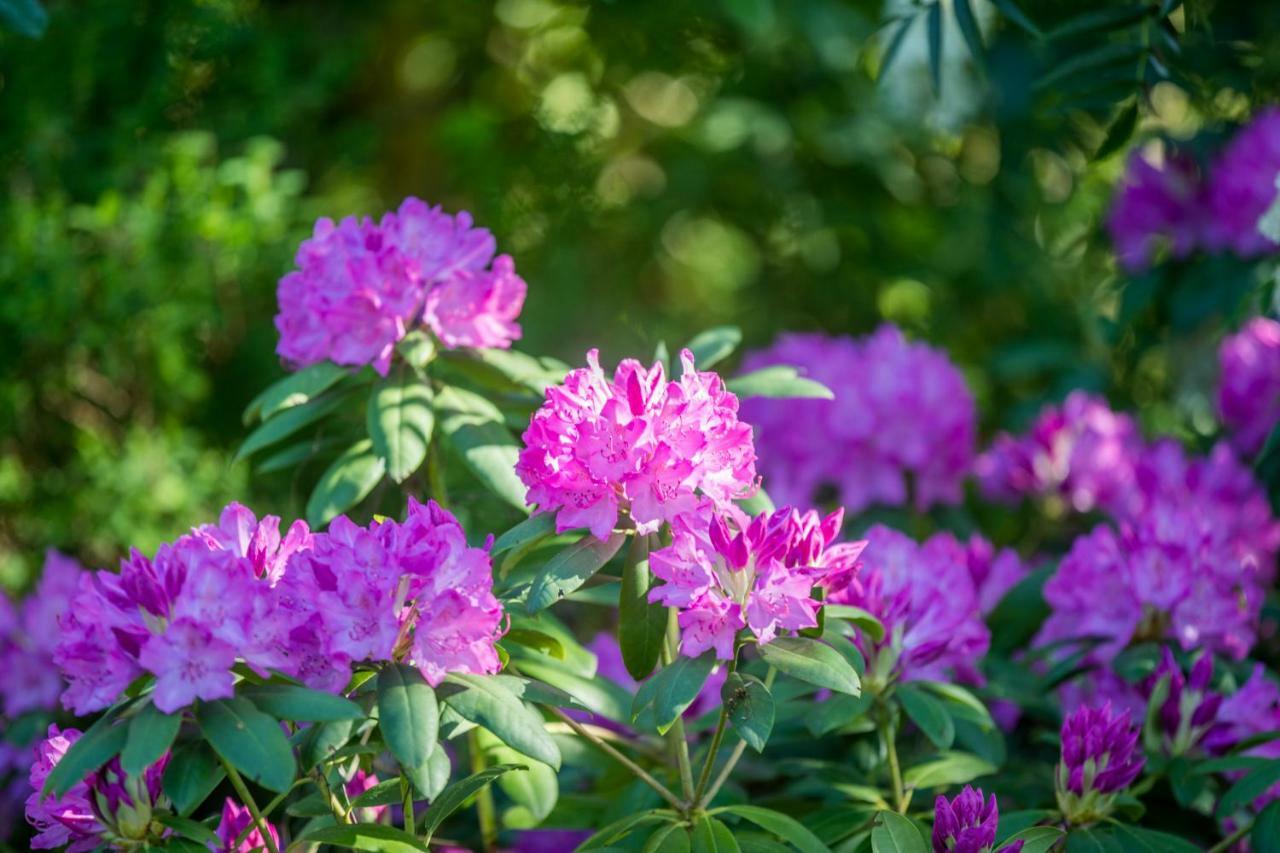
[
  {"x": 1100, "y": 759},
  {"x": 968, "y": 824},
  {"x": 1180, "y": 710}
]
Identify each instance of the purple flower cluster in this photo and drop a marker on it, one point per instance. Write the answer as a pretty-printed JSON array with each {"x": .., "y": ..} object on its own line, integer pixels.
[
  {"x": 1189, "y": 709},
  {"x": 1081, "y": 451},
  {"x": 306, "y": 605},
  {"x": 726, "y": 571},
  {"x": 968, "y": 824},
  {"x": 1100, "y": 758},
  {"x": 901, "y": 426},
  {"x": 360, "y": 286},
  {"x": 928, "y": 602},
  {"x": 107, "y": 805},
  {"x": 28, "y": 636},
  {"x": 1171, "y": 204},
  {"x": 1249, "y": 384},
  {"x": 637, "y": 444}
]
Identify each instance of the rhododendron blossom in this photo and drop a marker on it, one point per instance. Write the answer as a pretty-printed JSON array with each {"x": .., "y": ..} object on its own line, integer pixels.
[
  {"x": 638, "y": 444},
  {"x": 1190, "y": 709},
  {"x": 361, "y": 286},
  {"x": 1100, "y": 758},
  {"x": 1157, "y": 204},
  {"x": 925, "y": 597},
  {"x": 726, "y": 571},
  {"x": 29, "y": 679},
  {"x": 968, "y": 824},
  {"x": 1242, "y": 187},
  {"x": 901, "y": 426},
  {"x": 1249, "y": 383},
  {"x": 233, "y": 823}
]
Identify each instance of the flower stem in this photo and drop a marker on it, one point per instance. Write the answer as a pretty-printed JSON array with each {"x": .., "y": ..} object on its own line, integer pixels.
[
  {"x": 410, "y": 820},
  {"x": 486, "y": 812},
  {"x": 716, "y": 740},
  {"x": 676, "y": 735},
  {"x": 242, "y": 791},
  {"x": 609, "y": 750},
  {"x": 1226, "y": 843},
  {"x": 888, "y": 736},
  {"x": 738, "y": 750}
]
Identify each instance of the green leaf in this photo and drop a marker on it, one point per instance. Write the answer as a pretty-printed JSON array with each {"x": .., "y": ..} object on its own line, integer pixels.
[
  {"x": 668, "y": 839},
  {"x": 642, "y": 625},
  {"x": 532, "y": 529},
  {"x": 248, "y": 740},
  {"x": 346, "y": 482},
  {"x": 1037, "y": 839},
  {"x": 952, "y": 768},
  {"x": 486, "y": 702},
  {"x": 1129, "y": 839},
  {"x": 295, "y": 389},
  {"x": 192, "y": 774},
  {"x": 678, "y": 685},
  {"x": 407, "y": 714},
  {"x": 432, "y": 777},
  {"x": 961, "y": 703},
  {"x": 750, "y": 708},
  {"x": 714, "y": 345},
  {"x": 779, "y": 381},
  {"x": 870, "y": 625},
  {"x": 418, "y": 349},
  {"x": 787, "y": 828},
  {"x": 968, "y": 25},
  {"x": 1265, "y": 834},
  {"x": 1103, "y": 20},
  {"x": 928, "y": 713},
  {"x": 25, "y": 17},
  {"x": 1014, "y": 822},
  {"x": 712, "y": 836},
  {"x": 365, "y": 836},
  {"x": 891, "y": 51},
  {"x": 1019, "y": 614},
  {"x": 570, "y": 569},
  {"x": 295, "y": 454},
  {"x": 535, "y": 640},
  {"x": 1089, "y": 60},
  {"x": 623, "y": 827},
  {"x": 894, "y": 833},
  {"x": 288, "y": 422},
  {"x": 189, "y": 829},
  {"x": 454, "y": 796},
  {"x": 1010, "y": 10},
  {"x": 476, "y": 431},
  {"x": 151, "y": 733},
  {"x": 322, "y": 741},
  {"x": 599, "y": 695},
  {"x": 400, "y": 421},
  {"x": 934, "y": 24},
  {"x": 1120, "y": 131},
  {"x": 836, "y": 711},
  {"x": 812, "y": 662},
  {"x": 382, "y": 794},
  {"x": 292, "y": 702},
  {"x": 757, "y": 503},
  {"x": 537, "y": 791},
  {"x": 100, "y": 743},
  {"x": 1254, "y": 784},
  {"x": 507, "y": 369}
]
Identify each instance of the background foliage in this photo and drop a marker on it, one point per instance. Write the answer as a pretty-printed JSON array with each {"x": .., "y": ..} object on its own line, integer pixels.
[{"x": 655, "y": 168}]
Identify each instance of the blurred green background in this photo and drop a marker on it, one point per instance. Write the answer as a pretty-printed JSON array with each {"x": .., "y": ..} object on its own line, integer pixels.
[{"x": 655, "y": 168}]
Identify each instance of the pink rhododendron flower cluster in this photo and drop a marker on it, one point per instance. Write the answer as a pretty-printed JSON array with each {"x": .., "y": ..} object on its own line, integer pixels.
[
  {"x": 1081, "y": 451},
  {"x": 968, "y": 824},
  {"x": 726, "y": 571},
  {"x": 901, "y": 426},
  {"x": 1157, "y": 204},
  {"x": 1242, "y": 187},
  {"x": 1166, "y": 576},
  {"x": 411, "y": 591},
  {"x": 28, "y": 636},
  {"x": 106, "y": 806},
  {"x": 305, "y": 605},
  {"x": 638, "y": 444},
  {"x": 1249, "y": 384},
  {"x": 924, "y": 595},
  {"x": 360, "y": 286}
]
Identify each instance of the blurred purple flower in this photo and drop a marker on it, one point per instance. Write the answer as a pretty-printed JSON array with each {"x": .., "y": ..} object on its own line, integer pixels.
[
  {"x": 1249, "y": 384},
  {"x": 1157, "y": 204},
  {"x": 1242, "y": 187}
]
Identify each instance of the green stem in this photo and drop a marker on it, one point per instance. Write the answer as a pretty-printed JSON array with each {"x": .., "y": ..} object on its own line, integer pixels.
[
  {"x": 885, "y": 727},
  {"x": 676, "y": 735},
  {"x": 266, "y": 813},
  {"x": 1226, "y": 843},
  {"x": 335, "y": 806},
  {"x": 738, "y": 750},
  {"x": 716, "y": 739},
  {"x": 486, "y": 811},
  {"x": 242, "y": 790},
  {"x": 410, "y": 820},
  {"x": 609, "y": 750}
]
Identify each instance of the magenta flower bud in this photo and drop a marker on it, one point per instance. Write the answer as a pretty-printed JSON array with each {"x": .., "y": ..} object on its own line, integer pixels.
[
  {"x": 124, "y": 803},
  {"x": 1100, "y": 759},
  {"x": 967, "y": 824},
  {"x": 235, "y": 820},
  {"x": 1186, "y": 709}
]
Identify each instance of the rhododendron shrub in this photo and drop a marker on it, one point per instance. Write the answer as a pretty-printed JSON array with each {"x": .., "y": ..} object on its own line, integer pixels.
[{"x": 1080, "y": 619}]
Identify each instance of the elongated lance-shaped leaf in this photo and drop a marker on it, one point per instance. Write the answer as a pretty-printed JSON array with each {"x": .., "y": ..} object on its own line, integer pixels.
[
  {"x": 401, "y": 421},
  {"x": 453, "y": 797},
  {"x": 750, "y": 708},
  {"x": 407, "y": 714},
  {"x": 249, "y": 740},
  {"x": 570, "y": 569},
  {"x": 486, "y": 702},
  {"x": 346, "y": 482},
  {"x": 476, "y": 431},
  {"x": 812, "y": 662},
  {"x": 151, "y": 733},
  {"x": 642, "y": 625},
  {"x": 100, "y": 743}
]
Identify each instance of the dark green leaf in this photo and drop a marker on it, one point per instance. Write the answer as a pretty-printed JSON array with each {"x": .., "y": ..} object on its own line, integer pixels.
[
  {"x": 870, "y": 625},
  {"x": 292, "y": 702},
  {"x": 486, "y": 702},
  {"x": 453, "y": 796},
  {"x": 960, "y": 703},
  {"x": 400, "y": 421},
  {"x": 1120, "y": 131},
  {"x": 1012, "y": 823},
  {"x": 668, "y": 839},
  {"x": 288, "y": 422},
  {"x": 890, "y": 54},
  {"x": 532, "y": 529},
  {"x": 1265, "y": 834},
  {"x": 1017, "y": 616},
  {"x": 714, "y": 345},
  {"x": 1010, "y": 10},
  {"x": 570, "y": 569},
  {"x": 475, "y": 429},
  {"x": 295, "y": 454},
  {"x": 248, "y": 740},
  {"x": 678, "y": 686},
  {"x": 787, "y": 828},
  {"x": 968, "y": 25},
  {"x": 712, "y": 836},
  {"x": 1037, "y": 839},
  {"x": 321, "y": 742},
  {"x": 431, "y": 778},
  {"x": 779, "y": 381},
  {"x": 24, "y": 17},
  {"x": 151, "y": 733},
  {"x": 295, "y": 389},
  {"x": 934, "y": 23},
  {"x": 623, "y": 827},
  {"x": 100, "y": 743},
  {"x": 953, "y": 768},
  {"x": 535, "y": 640},
  {"x": 750, "y": 708},
  {"x": 384, "y": 793},
  {"x": 365, "y": 836},
  {"x": 1089, "y": 60},
  {"x": 346, "y": 482},
  {"x": 836, "y": 711},
  {"x": 1254, "y": 784},
  {"x": 1103, "y": 20},
  {"x": 192, "y": 774},
  {"x": 188, "y": 828},
  {"x": 642, "y": 625},
  {"x": 812, "y": 662},
  {"x": 928, "y": 713},
  {"x": 894, "y": 833},
  {"x": 407, "y": 714}
]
